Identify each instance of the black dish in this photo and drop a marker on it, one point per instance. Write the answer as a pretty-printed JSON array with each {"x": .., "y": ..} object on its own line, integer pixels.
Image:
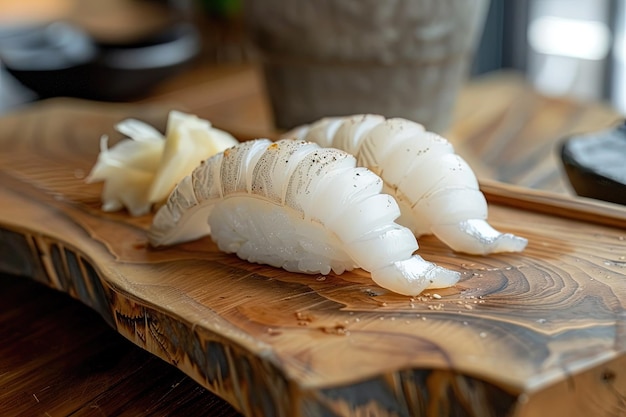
[
  {"x": 596, "y": 164},
  {"x": 60, "y": 60}
]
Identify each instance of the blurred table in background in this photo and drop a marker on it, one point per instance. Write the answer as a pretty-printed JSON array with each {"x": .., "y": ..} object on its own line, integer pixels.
[{"x": 109, "y": 21}]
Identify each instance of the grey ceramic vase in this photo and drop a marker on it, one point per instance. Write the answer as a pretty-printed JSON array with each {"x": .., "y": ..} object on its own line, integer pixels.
[{"x": 399, "y": 58}]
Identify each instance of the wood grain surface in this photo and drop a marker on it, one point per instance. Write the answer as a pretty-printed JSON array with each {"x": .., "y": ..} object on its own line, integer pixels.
[
  {"x": 511, "y": 133},
  {"x": 537, "y": 333}
]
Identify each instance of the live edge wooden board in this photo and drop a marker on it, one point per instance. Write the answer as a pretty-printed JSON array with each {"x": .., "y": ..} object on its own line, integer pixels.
[{"x": 538, "y": 333}]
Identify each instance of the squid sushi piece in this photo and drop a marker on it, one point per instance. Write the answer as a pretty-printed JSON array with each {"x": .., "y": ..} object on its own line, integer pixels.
[
  {"x": 436, "y": 190},
  {"x": 294, "y": 205}
]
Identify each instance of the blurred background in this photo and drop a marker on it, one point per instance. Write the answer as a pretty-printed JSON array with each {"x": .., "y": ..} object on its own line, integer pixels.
[
  {"x": 119, "y": 50},
  {"x": 564, "y": 47}
]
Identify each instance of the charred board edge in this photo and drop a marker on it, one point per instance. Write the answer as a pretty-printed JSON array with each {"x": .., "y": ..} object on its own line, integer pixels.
[{"x": 253, "y": 384}]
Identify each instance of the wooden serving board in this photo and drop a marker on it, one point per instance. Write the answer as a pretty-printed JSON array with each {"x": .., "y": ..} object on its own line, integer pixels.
[{"x": 537, "y": 333}]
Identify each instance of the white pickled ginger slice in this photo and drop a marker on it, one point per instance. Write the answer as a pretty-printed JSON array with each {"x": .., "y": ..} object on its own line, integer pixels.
[
  {"x": 189, "y": 140},
  {"x": 143, "y": 168}
]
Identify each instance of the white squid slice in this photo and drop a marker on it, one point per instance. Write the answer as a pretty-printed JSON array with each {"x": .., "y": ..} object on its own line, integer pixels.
[
  {"x": 436, "y": 190},
  {"x": 294, "y": 205}
]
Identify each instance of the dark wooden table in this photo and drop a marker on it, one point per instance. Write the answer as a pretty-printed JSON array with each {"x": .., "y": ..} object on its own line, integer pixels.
[{"x": 59, "y": 358}]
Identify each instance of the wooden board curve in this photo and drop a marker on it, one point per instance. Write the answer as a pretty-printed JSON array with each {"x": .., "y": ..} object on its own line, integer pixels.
[{"x": 537, "y": 333}]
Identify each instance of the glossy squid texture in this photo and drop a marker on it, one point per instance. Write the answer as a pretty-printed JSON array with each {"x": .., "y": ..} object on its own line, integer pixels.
[
  {"x": 436, "y": 190},
  {"x": 295, "y": 205}
]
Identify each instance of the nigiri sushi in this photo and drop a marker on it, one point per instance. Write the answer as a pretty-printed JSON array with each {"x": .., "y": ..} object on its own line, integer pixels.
[
  {"x": 436, "y": 190},
  {"x": 294, "y": 205}
]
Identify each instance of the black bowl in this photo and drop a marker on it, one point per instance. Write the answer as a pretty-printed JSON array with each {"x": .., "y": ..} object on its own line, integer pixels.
[
  {"x": 60, "y": 60},
  {"x": 596, "y": 164}
]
